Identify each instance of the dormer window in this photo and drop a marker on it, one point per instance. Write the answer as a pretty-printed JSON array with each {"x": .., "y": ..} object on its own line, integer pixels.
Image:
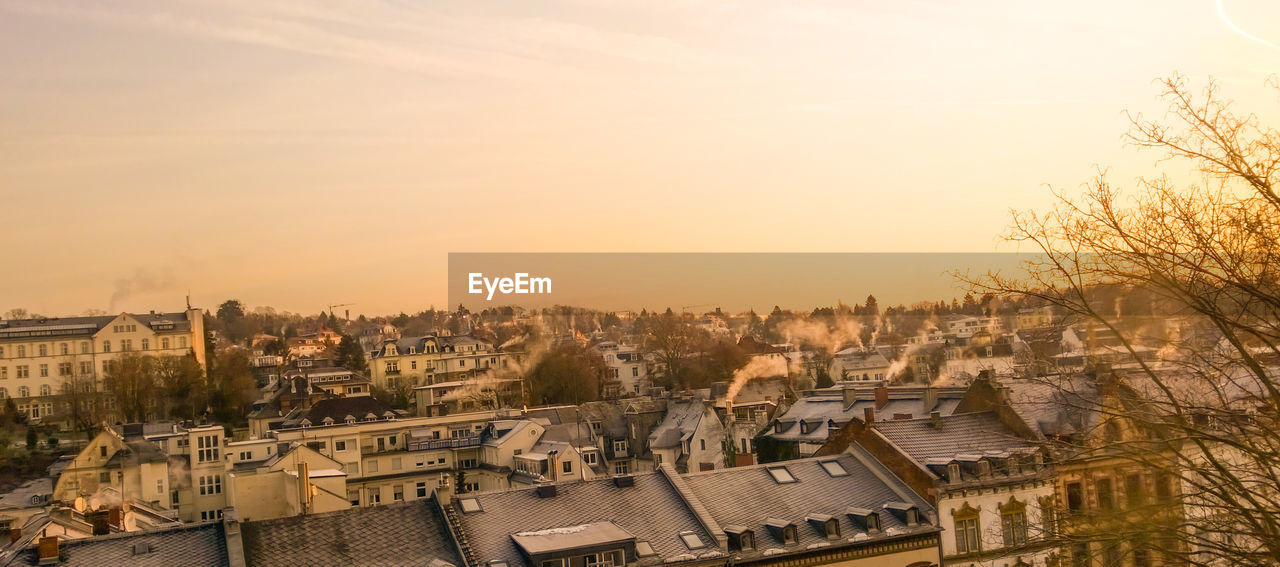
[
  {"x": 826, "y": 524},
  {"x": 782, "y": 530},
  {"x": 740, "y": 538},
  {"x": 906, "y": 513},
  {"x": 865, "y": 519}
]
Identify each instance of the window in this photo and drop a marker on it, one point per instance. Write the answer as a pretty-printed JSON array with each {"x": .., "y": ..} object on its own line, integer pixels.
[
  {"x": 1164, "y": 487},
  {"x": 126, "y": 344},
  {"x": 589, "y": 458},
  {"x": 873, "y": 523},
  {"x": 4, "y": 372},
  {"x": 146, "y": 344},
  {"x": 604, "y": 559},
  {"x": 1080, "y": 555},
  {"x": 834, "y": 468},
  {"x": 1013, "y": 525},
  {"x": 413, "y": 364},
  {"x": 64, "y": 349},
  {"x": 371, "y": 467},
  {"x": 182, "y": 342},
  {"x": 207, "y": 448},
  {"x": 22, "y": 371},
  {"x": 1075, "y": 497},
  {"x": 164, "y": 342},
  {"x": 1133, "y": 490},
  {"x": 4, "y": 393},
  {"x": 86, "y": 368},
  {"x": 22, "y": 351},
  {"x": 703, "y": 444},
  {"x": 568, "y": 467},
  {"x": 44, "y": 350},
  {"x": 339, "y": 445},
  {"x": 657, "y": 459},
  {"x": 470, "y": 505},
  {"x": 46, "y": 390},
  {"x": 967, "y": 535},
  {"x": 375, "y": 496},
  {"x": 635, "y": 371},
  {"x": 691, "y": 540},
  {"x": 397, "y": 493},
  {"x": 620, "y": 447},
  {"x": 1106, "y": 501},
  {"x": 64, "y": 369},
  {"x": 622, "y": 467},
  {"x": 210, "y": 484},
  {"x": 104, "y": 477},
  {"x": 159, "y": 486},
  {"x": 468, "y": 463},
  {"x": 24, "y": 392},
  {"x": 106, "y": 346},
  {"x": 102, "y": 451},
  {"x": 396, "y": 464},
  {"x": 44, "y": 370},
  {"x": 781, "y": 475},
  {"x": 422, "y": 489}
]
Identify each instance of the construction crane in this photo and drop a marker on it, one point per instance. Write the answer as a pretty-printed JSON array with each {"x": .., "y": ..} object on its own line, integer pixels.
[
  {"x": 686, "y": 308},
  {"x": 346, "y": 315}
]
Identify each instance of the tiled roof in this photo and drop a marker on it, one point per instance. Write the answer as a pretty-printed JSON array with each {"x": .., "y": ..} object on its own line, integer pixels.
[
  {"x": 749, "y": 496},
  {"x": 960, "y": 434},
  {"x": 339, "y": 408},
  {"x": 189, "y": 545},
  {"x": 651, "y": 510},
  {"x": 411, "y": 533}
]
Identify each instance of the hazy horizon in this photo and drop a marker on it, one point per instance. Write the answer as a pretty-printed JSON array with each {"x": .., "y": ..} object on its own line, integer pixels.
[{"x": 299, "y": 155}]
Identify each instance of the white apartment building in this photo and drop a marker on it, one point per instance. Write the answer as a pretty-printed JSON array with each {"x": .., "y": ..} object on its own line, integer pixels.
[{"x": 39, "y": 357}]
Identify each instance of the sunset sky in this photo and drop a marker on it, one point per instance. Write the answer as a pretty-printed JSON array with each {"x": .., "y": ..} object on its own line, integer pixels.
[{"x": 297, "y": 154}]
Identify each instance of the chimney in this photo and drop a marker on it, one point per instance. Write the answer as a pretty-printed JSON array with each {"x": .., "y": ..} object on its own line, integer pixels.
[
  {"x": 115, "y": 517},
  {"x": 869, "y": 415},
  {"x": 882, "y": 397},
  {"x": 100, "y": 520},
  {"x": 546, "y": 491},
  {"x": 15, "y": 534},
  {"x": 552, "y": 463},
  {"x": 304, "y": 487},
  {"x": 624, "y": 481},
  {"x": 935, "y": 419},
  {"x": 930, "y": 398},
  {"x": 47, "y": 552},
  {"x": 850, "y": 395}
]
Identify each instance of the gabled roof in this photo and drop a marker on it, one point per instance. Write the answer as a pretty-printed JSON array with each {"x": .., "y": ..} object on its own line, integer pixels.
[
  {"x": 411, "y": 533},
  {"x": 651, "y": 510},
  {"x": 680, "y": 423},
  {"x": 967, "y": 435},
  {"x": 749, "y": 497},
  {"x": 189, "y": 544},
  {"x": 338, "y": 409}
]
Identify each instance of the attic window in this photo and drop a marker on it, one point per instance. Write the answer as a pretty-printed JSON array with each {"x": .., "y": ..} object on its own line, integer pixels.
[
  {"x": 470, "y": 505},
  {"x": 691, "y": 540},
  {"x": 644, "y": 549},
  {"x": 834, "y": 468},
  {"x": 781, "y": 475}
]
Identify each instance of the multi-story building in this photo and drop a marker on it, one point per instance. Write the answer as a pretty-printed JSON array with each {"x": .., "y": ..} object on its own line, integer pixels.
[
  {"x": 445, "y": 372},
  {"x": 41, "y": 360},
  {"x": 628, "y": 371},
  {"x": 164, "y": 466}
]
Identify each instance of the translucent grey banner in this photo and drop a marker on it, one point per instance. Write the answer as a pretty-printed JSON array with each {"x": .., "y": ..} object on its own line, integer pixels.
[{"x": 731, "y": 281}]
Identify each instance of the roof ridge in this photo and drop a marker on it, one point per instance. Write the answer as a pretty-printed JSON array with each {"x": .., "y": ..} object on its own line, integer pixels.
[{"x": 695, "y": 505}]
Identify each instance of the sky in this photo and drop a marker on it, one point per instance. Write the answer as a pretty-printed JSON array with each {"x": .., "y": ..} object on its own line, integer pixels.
[{"x": 299, "y": 154}]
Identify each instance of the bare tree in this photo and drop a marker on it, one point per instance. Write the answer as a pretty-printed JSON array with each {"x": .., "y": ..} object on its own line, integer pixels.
[{"x": 1193, "y": 405}]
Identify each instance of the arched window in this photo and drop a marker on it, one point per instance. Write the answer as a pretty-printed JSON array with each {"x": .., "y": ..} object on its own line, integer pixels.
[
  {"x": 4, "y": 393},
  {"x": 45, "y": 390},
  {"x": 1013, "y": 522},
  {"x": 967, "y": 529},
  {"x": 24, "y": 392}
]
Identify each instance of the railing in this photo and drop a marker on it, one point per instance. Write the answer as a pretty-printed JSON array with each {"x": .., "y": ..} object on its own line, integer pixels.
[{"x": 450, "y": 443}]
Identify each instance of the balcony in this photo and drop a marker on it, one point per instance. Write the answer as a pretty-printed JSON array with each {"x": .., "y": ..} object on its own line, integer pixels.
[
  {"x": 391, "y": 372},
  {"x": 451, "y": 443}
]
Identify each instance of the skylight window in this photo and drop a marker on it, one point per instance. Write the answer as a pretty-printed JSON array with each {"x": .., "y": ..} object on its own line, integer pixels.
[
  {"x": 470, "y": 505},
  {"x": 691, "y": 540},
  {"x": 644, "y": 549},
  {"x": 781, "y": 475},
  {"x": 834, "y": 468}
]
